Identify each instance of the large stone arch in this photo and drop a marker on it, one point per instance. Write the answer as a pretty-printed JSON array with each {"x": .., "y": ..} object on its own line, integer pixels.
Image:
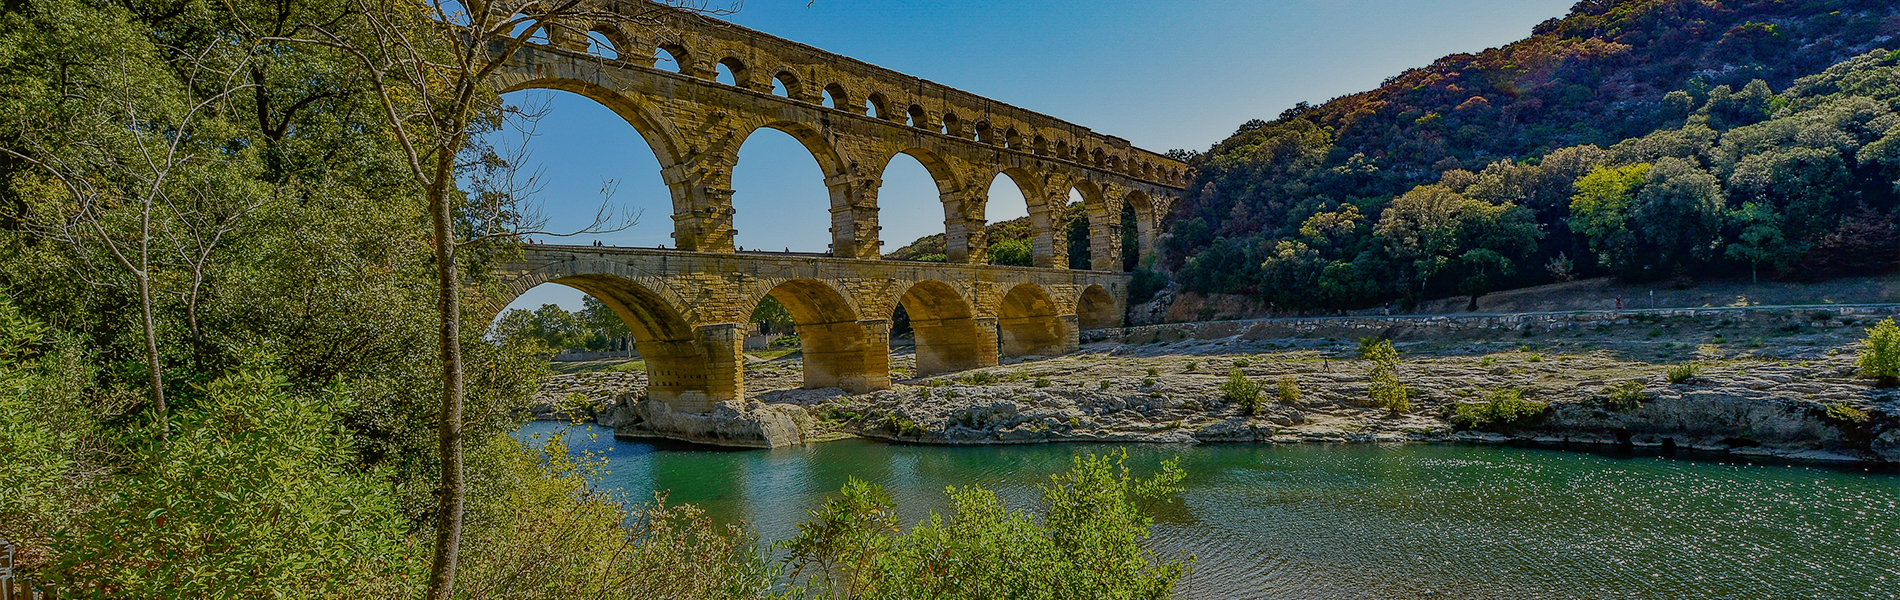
[
  {"x": 1144, "y": 210},
  {"x": 834, "y": 343},
  {"x": 950, "y": 337},
  {"x": 1030, "y": 323},
  {"x": 661, "y": 137},
  {"x": 853, "y": 216}
]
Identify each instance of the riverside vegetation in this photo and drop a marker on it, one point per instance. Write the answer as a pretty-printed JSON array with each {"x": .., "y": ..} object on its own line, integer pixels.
[{"x": 221, "y": 258}]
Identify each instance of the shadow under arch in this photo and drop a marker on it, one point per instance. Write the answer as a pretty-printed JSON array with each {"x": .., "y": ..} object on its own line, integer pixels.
[
  {"x": 836, "y": 350},
  {"x": 1030, "y": 324},
  {"x": 1095, "y": 309},
  {"x": 949, "y": 338},
  {"x": 679, "y": 370}
]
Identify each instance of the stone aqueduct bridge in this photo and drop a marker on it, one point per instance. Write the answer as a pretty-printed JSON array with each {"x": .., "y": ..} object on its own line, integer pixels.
[
  {"x": 686, "y": 307},
  {"x": 689, "y": 311}
]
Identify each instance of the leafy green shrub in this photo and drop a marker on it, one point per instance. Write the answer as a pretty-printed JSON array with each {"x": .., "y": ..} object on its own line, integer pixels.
[
  {"x": 784, "y": 341},
  {"x": 1041, "y": 382},
  {"x": 1504, "y": 410},
  {"x": 1087, "y": 542},
  {"x": 1287, "y": 390},
  {"x": 1242, "y": 363},
  {"x": 980, "y": 378},
  {"x": 1843, "y": 412},
  {"x": 1718, "y": 339},
  {"x": 1384, "y": 388},
  {"x": 902, "y": 426},
  {"x": 1624, "y": 396},
  {"x": 1153, "y": 372},
  {"x": 1880, "y": 353},
  {"x": 1242, "y": 391},
  {"x": 1015, "y": 376},
  {"x": 1104, "y": 385},
  {"x": 1192, "y": 366},
  {"x": 1683, "y": 373},
  {"x": 1148, "y": 382},
  {"x": 1536, "y": 358}
]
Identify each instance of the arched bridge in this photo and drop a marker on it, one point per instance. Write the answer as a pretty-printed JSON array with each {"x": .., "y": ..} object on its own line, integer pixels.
[
  {"x": 687, "y": 307},
  {"x": 688, "y": 311}
]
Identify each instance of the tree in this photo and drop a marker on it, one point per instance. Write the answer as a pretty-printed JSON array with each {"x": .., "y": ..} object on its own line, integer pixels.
[
  {"x": 1600, "y": 212},
  {"x": 1678, "y": 213},
  {"x": 1760, "y": 239},
  {"x": 1013, "y": 252},
  {"x": 429, "y": 63}
]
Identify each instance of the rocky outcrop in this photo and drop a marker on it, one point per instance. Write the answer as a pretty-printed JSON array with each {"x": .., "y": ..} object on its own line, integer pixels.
[{"x": 750, "y": 425}]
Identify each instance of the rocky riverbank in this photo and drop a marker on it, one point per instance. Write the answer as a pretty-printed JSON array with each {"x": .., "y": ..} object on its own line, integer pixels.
[{"x": 1771, "y": 391}]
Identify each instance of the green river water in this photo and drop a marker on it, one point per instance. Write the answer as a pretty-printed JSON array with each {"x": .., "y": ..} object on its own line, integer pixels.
[{"x": 1379, "y": 522}]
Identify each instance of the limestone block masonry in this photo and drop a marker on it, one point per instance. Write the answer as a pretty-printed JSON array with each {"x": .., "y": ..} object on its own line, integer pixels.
[
  {"x": 687, "y": 307},
  {"x": 688, "y": 311},
  {"x": 854, "y": 118}
]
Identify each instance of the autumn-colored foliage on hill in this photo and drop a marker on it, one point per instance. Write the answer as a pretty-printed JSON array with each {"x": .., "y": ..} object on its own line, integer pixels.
[{"x": 1711, "y": 141}]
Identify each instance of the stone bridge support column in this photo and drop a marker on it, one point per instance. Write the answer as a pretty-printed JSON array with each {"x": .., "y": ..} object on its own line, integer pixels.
[
  {"x": 723, "y": 350},
  {"x": 989, "y": 340},
  {"x": 843, "y": 355},
  {"x": 702, "y": 204},
  {"x": 1048, "y": 245},
  {"x": 676, "y": 374},
  {"x": 877, "y": 353},
  {"x": 1105, "y": 239},
  {"x": 854, "y": 227},
  {"x": 964, "y": 241}
]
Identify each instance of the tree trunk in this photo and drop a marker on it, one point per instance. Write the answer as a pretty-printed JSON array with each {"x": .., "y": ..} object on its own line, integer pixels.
[
  {"x": 449, "y": 493},
  {"x": 151, "y": 355}
]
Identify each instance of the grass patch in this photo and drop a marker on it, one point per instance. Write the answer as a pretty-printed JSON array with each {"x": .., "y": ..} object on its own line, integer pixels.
[
  {"x": 1684, "y": 373},
  {"x": 1624, "y": 396}
]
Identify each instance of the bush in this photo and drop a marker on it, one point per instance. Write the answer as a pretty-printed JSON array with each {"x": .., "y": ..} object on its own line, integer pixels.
[
  {"x": 784, "y": 341},
  {"x": 1880, "y": 353},
  {"x": 1288, "y": 390},
  {"x": 1192, "y": 366},
  {"x": 1242, "y": 363},
  {"x": 1153, "y": 372},
  {"x": 1624, "y": 396},
  {"x": 1683, "y": 373},
  {"x": 1383, "y": 387},
  {"x": 1041, "y": 383},
  {"x": 1242, "y": 391},
  {"x": 1843, "y": 412},
  {"x": 980, "y": 378},
  {"x": 1104, "y": 385},
  {"x": 1087, "y": 542},
  {"x": 1504, "y": 410},
  {"x": 1148, "y": 382}
]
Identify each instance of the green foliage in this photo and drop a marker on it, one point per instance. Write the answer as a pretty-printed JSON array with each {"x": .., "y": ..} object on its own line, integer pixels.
[
  {"x": 1012, "y": 252},
  {"x": 1087, "y": 545},
  {"x": 771, "y": 315},
  {"x": 1242, "y": 363},
  {"x": 1683, "y": 373},
  {"x": 252, "y": 497},
  {"x": 48, "y": 435},
  {"x": 1192, "y": 366},
  {"x": 1624, "y": 396},
  {"x": 1845, "y": 413},
  {"x": 1287, "y": 390},
  {"x": 1358, "y": 201},
  {"x": 1148, "y": 382},
  {"x": 1880, "y": 352},
  {"x": 1152, "y": 372},
  {"x": 1383, "y": 385},
  {"x": 1505, "y": 409},
  {"x": 1242, "y": 391},
  {"x": 1104, "y": 385},
  {"x": 1041, "y": 382}
]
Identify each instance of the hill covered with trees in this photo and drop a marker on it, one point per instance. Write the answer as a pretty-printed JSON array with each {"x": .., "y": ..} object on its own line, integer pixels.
[{"x": 1650, "y": 139}]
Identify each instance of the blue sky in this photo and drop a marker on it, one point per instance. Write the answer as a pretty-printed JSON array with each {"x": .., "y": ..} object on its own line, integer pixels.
[{"x": 1180, "y": 74}]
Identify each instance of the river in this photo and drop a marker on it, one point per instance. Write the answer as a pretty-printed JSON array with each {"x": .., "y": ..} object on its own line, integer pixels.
[{"x": 1302, "y": 522}]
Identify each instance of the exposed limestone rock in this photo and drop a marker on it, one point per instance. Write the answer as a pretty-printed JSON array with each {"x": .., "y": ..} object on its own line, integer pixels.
[{"x": 727, "y": 424}]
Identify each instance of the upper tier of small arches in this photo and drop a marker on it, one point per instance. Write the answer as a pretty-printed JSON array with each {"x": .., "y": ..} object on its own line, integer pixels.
[{"x": 703, "y": 48}]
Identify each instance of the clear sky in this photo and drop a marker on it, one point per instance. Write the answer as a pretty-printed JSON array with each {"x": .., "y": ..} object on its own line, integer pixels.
[{"x": 1178, "y": 74}]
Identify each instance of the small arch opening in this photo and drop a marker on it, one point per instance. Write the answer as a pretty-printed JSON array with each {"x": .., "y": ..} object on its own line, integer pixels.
[
  {"x": 1012, "y": 140},
  {"x": 1062, "y": 149},
  {"x": 835, "y": 96},
  {"x": 601, "y": 45},
  {"x": 731, "y": 71},
  {"x": 785, "y": 84},
  {"x": 918, "y": 117},
  {"x": 670, "y": 57},
  {"x": 876, "y": 106},
  {"x": 951, "y": 126},
  {"x": 983, "y": 133},
  {"x": 1040, "y": 146}
]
